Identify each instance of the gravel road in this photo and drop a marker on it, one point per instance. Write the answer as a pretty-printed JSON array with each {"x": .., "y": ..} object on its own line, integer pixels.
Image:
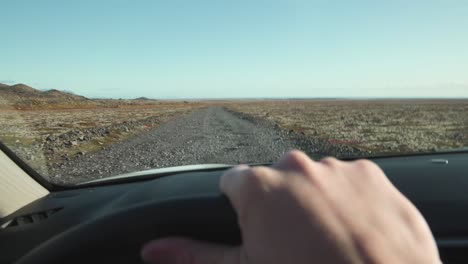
[{"x": 211, "y": 135}]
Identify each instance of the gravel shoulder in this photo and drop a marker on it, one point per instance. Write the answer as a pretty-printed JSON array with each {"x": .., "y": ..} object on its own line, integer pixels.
[{"x": 210, "y": 135}]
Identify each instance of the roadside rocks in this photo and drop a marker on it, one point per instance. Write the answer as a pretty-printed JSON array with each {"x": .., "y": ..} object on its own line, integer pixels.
[{"x": 54, "y": 143}]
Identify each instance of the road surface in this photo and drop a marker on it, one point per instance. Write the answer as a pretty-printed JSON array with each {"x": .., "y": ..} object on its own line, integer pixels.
[{"x": 211, "y": 135}]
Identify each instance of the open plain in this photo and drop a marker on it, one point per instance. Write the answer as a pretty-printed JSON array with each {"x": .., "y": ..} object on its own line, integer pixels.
[
  {"x": 70, "y": 139},
  {"x": 375, "y": 126}
]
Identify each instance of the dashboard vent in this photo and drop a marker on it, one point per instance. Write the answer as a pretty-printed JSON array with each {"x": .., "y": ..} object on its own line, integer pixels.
[{"x": 30, "y": 218}]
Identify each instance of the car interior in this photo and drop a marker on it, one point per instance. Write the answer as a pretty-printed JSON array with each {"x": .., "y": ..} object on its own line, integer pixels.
[
  {"x": 108, "y": 222},
  {"x": 118, "y": 119}
]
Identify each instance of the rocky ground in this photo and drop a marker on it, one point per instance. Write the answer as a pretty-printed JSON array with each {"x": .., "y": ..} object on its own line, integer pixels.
[
  {"x": 373, "y": 126},
  {"x": 211, "y": 135},
  {"x": 76, "y": 145},
  {"x": 41, "y": 137}
]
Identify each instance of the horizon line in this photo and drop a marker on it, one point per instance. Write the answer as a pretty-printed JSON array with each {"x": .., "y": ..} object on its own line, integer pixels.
[{"x": 283, "y": 98}]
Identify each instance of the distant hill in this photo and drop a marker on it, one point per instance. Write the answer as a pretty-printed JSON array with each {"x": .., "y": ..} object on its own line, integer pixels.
[
  {"x": 61, "y": 94},
  {"x": 3, "y": 85},
  {"x": 23, "y": 96},
  {"x": 143, "y": 99},
  {"x": 22, "y": 89}
]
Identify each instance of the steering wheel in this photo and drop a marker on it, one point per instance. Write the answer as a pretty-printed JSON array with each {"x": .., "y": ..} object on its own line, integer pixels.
[{"x": 188, "y": 205}]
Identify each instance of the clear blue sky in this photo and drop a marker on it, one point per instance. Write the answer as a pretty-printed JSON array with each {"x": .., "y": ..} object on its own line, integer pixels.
[{"x": 242, "y": 48}]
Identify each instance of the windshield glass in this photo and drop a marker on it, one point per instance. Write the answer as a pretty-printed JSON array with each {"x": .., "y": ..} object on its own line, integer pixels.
[{"x": 92, "y": 89}]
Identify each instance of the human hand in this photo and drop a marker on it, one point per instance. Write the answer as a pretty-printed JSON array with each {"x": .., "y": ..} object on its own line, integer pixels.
[{"x": 303, "y": 211}]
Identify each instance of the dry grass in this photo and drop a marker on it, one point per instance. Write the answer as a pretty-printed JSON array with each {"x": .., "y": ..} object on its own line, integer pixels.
[
  {"x": 378, "y": 126},
  {"x": 24, "y": 131},
  {"x": 391, "y": 126},
  {"x": 20, "y": 124}
]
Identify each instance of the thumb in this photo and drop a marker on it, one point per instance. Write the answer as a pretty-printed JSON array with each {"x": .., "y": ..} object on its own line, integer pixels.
[{"x": 186, "y": 251}]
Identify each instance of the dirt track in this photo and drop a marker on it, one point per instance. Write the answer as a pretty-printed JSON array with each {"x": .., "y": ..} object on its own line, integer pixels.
[{"x": 211, "y": 135}]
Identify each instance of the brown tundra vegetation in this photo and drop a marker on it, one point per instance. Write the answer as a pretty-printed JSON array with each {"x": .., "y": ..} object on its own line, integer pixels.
[
  {"x": 375, "y": 126},
  {"x": 47, "y": 126}
]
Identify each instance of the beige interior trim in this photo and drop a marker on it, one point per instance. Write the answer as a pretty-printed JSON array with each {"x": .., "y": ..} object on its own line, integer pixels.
[{"x": 17, "y": 188}]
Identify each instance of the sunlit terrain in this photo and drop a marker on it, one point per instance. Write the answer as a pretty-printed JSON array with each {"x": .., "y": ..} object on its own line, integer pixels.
[{"x": 56, "y": 132}]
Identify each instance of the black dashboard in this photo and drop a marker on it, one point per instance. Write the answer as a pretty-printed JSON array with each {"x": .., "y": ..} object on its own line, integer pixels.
[{"x": 437, "y": 184}]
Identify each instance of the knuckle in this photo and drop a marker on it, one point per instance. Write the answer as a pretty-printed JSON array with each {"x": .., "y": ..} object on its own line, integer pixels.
[
  {"x": 369, "y": 168},
  {"x": 299, "y": 160},
  {"x": 257, "y": 178},
  {"x": 296, "y": 155},
  {"x": 364, "y": 164},
  {"x": 257, "y": 174},
  {"x": 330, "y": 161}
]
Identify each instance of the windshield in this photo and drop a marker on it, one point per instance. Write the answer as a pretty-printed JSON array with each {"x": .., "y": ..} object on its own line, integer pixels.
[{"x": 92, "y": 89}]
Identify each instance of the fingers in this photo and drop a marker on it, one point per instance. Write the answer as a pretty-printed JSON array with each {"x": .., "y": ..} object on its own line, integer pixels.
[
  {"x": 186, "y": 251},
  {"x": 231, "y": 183},
  {"x": 296, "y": 161},
  {"x": 242, "y": 181},
  {"x": 246, "y": 186}
]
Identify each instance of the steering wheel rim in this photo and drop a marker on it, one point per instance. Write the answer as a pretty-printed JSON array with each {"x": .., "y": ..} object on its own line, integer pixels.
[{"x": 118, "y": 236}]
